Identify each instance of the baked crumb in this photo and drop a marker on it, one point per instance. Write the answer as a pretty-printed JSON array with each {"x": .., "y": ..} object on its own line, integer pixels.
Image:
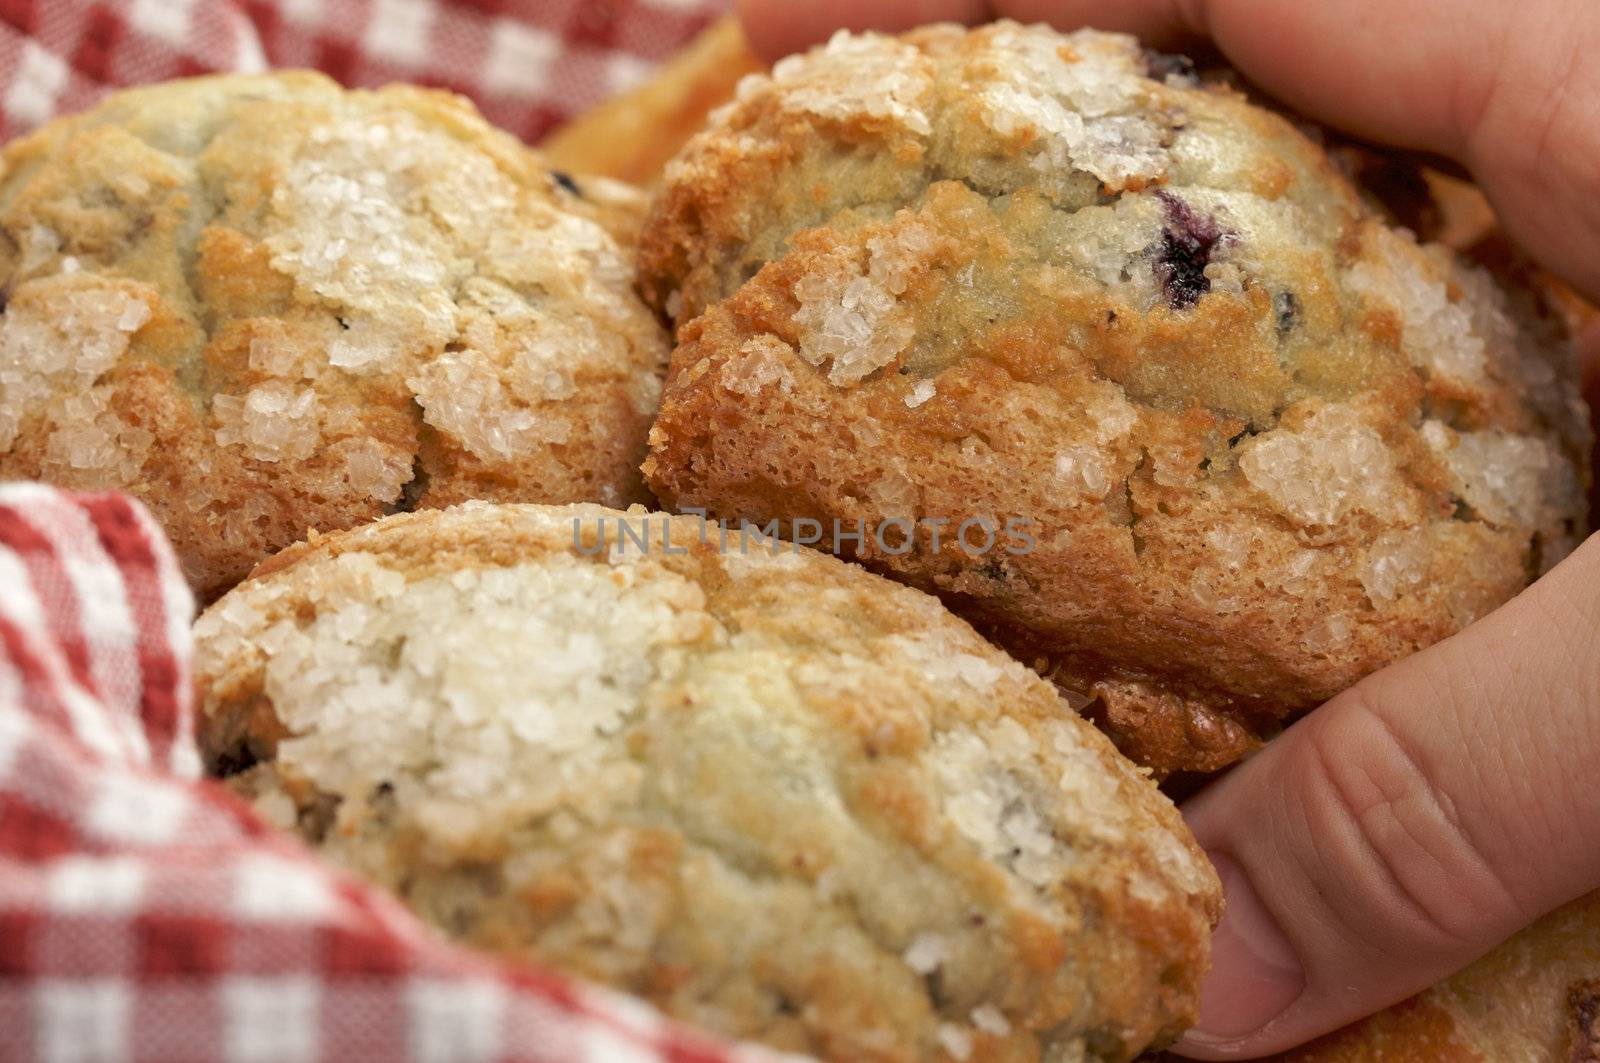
[
  {"x": 1266, "y": 441},
  {"x": 773, "y": 793},
  {"x": 284, "y": 313}
]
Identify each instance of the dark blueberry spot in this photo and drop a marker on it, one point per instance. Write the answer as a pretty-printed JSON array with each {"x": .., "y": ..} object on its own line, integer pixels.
[
  {"x": 905, "y": 370},
  {"x": 1111, "y": 317},
  {"x": 343, "y": 323},
  {"x": 231, "y": 762},
  {"x": 384, "y": 789},
  {"x": 1583, "y": 1001},
  {"x": 1162, "y": 65},
  {"x": 413, "y": 490},
  {"x": 1287, "y": 309},
  {"x": 1185, "y": 251},
  {"x": 565, "y": 180}
]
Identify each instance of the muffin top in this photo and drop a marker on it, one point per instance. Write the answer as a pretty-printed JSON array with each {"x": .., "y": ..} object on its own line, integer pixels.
[
  {"x": 776, "y": 794},
  {"x": 1266, "y": 440},
  {"x": 263, "y": 303}
]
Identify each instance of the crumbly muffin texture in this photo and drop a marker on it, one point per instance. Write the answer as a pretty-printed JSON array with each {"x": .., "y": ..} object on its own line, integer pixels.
[
  {"x": 262, "y": 304},
  {"x": 775, "y": 794},
  {"x": 1267, "y": 441}
]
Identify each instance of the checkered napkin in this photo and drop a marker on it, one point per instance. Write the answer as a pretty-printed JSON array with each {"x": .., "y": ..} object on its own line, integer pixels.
[
  {"x": 147, "y": 914},
  {"x": 529, "y": 64}
]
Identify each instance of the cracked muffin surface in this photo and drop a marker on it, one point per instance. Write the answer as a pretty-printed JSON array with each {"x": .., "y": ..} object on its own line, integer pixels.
[
  {"x": 1265, "y": 440},
  {"x": 264, "y": 304},
  {"x": 779, "y": 796}
]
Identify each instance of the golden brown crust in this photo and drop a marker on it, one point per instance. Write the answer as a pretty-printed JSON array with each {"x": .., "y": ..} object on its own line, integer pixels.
[
  {"x": 1413, "y": 1031},
  {"x": 777, "y": 795},
  {"x": 1583, "y": 1021},
  {"x": 1266, "y": 443},
  {"x": 296, "y": 307}
]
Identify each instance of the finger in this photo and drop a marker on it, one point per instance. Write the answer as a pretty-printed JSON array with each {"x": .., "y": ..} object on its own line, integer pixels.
[
  {"x": 1409, "y": 825},
  {"x": 1507, "y": 90},
  {"x": 778, "y": 27},
  {"x": 1589, "y": 367},
  {"x": 1173, "y": 24},
  {"x": 1335, "y": 60},
  {"x": 1418, "y": 75}
]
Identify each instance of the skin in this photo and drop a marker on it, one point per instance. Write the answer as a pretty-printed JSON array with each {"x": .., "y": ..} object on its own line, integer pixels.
[{"x": 1415, "y": 821}]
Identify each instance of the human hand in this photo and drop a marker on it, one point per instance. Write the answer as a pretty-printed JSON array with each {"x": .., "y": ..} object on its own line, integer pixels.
[{"x": 1415, "y": 821}]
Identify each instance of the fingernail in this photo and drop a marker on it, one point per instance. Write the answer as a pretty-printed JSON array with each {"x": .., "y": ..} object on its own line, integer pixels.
[{"x": 1255, "y": 974}]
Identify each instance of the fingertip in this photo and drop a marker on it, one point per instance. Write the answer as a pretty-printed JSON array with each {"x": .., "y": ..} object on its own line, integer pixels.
[
  {"x": 766, "y": 27},
  {"x": 776, "y": 28},
  {"x": 1255, "y": 975},
  {"x": 1159, "y": 23}
]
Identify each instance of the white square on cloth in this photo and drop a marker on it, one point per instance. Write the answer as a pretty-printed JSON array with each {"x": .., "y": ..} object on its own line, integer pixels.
[
  {"x": 81, "y": 1019},
  {"x": 270, "y": 1020},
  {"x": 455, "y": 1021}
]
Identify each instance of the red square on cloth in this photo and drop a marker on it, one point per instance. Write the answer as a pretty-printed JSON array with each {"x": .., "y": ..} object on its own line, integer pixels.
[{"x": 529, "y": 64}]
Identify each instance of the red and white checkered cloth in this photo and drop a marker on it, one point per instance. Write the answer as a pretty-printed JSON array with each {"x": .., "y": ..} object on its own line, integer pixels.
[
  {"x": 529, "y": 64},
  {"x": 147, "y": 914}
]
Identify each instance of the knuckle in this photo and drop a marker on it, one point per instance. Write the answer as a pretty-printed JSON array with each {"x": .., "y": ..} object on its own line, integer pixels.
[
  {"x": 1526, "y": 112},
  {"x": 1395, "y": 863}
]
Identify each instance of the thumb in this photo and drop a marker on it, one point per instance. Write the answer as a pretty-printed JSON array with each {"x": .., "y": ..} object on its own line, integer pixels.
[
  {"x": 1409, "y": 825},
  {"x": 1589, "y": 365},
  {"x": 777, "y": 27}
]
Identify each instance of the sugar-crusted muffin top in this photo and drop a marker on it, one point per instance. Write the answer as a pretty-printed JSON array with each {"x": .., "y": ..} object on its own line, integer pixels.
[
  {"x": 1014, "y": 271},
  {"x": 319, "y": 305},
  {"x": 782, "y": 796}
]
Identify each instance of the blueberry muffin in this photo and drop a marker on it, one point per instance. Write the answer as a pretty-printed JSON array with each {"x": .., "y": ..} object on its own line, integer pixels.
[
  {"x": 262, "y": 304},
  {"x": 1261, "y": 439},
  {"x": 773, "y": 793}
]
